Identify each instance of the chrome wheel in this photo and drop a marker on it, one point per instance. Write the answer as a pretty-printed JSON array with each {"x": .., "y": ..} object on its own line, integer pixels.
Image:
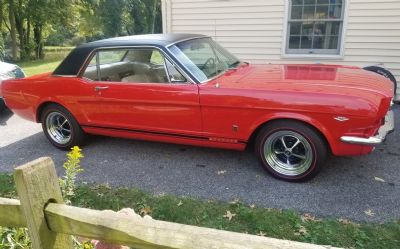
[
  {"x": 58, "y": 127},
  {"x": 288, "y": 153}
]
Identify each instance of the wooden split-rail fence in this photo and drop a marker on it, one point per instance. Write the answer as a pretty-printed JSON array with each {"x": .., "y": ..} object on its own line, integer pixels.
[{"x": 51, "y": 223}]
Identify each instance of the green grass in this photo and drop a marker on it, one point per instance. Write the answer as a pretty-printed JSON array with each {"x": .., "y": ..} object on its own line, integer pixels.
[
  {"x": 274, "y": 223},
  {"x": 53, "y": 57}
]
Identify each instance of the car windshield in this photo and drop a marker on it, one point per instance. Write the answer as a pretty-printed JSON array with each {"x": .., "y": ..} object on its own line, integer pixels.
[{"x": 204, "y": 58}]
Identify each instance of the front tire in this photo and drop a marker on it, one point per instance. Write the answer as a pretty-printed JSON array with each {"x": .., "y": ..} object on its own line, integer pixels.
[
  {"x": 290, "y": 150},
  {"x": 61, "y": 128}
]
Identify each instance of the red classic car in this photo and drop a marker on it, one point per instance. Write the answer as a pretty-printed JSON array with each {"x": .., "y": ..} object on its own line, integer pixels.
[{"x": 187, "y": 89}]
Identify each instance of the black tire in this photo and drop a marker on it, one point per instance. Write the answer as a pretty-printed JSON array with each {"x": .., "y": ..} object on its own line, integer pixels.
[
  {"x": 279, "y": 158},
  {"x": 385, "y": 73},
  {"x": 2, "y": 105},
  {"x": 57, "y": 135}
]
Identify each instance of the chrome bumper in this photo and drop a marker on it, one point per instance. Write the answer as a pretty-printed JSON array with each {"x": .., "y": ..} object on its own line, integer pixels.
[{"x": 385, "y": 129}]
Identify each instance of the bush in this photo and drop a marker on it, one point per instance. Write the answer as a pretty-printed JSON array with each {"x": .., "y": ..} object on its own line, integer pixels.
[{"x": 18, "y": 238}]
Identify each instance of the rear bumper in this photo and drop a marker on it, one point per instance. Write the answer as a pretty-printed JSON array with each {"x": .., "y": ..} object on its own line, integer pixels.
[{"x": 385, "y": 129}]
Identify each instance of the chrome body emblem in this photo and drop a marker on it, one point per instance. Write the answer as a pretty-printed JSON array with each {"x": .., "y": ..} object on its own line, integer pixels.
[{"x": 341, "y": 119}]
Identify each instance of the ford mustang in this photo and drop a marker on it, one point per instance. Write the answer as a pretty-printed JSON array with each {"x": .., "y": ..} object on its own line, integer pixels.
[{"x": 187, "y": 89}]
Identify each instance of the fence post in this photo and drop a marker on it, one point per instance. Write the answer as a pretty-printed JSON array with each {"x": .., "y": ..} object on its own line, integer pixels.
[{"x": 37, "y": 185}]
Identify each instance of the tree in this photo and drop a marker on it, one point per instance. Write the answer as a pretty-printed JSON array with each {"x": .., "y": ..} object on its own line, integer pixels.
[
  {"x": 31, "y": 22},
  {"x": 44, "y": 12},
  {"x": 111, "y": 13},
  {"x": 13, "y": 33}
]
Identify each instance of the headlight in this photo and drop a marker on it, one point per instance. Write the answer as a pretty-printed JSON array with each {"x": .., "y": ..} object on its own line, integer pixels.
[{"x": 18, "y": 73}]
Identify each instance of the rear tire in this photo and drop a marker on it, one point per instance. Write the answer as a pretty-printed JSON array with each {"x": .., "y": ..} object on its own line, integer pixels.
[
  {"x": 61, "y": 128},
  {"x": 290, "y": 150},
  {"x": 385, "y": 73}
]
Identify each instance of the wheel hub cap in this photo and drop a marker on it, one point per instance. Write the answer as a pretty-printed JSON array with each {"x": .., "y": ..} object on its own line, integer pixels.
[
  {"x": 288, "y": 153},
  {"x": 58, "y": 128}
]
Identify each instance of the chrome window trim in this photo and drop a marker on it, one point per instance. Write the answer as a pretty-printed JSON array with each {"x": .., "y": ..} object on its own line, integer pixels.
[
  {"x": 187, "y": 39},
  {"x": 94, "y": 51},
  {"x": 166, "y": 69},
  {"x": 98, "y": 73},
  {"x": 63, "y": 76}
]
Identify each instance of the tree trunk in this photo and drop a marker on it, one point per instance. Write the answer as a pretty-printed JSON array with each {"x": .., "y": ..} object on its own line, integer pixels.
[
  {"x": 1, "y": 14},
  {"x": 19, "y": 23},
  {"x": 37, "y": 36},
  {"x": 154, "y": 16},
  {"x": 13, "y": 31},
  {"x": 27, "y": 47}
]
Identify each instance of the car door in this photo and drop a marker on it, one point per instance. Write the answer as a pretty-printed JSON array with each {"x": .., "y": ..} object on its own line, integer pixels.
[{"x": 136, "y": 90}]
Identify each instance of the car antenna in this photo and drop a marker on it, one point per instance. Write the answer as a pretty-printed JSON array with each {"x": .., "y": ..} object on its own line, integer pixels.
[{"x": 217, "y": 85}]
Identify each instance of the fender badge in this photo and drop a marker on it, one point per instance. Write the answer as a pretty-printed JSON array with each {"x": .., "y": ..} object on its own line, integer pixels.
[{"x": 341, "y": 119}]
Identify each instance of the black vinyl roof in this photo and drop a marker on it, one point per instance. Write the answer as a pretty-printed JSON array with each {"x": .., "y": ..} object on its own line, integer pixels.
[{"x": 74, "y": 61}]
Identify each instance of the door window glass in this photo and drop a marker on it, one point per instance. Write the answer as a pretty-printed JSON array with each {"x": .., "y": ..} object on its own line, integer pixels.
[{"x": 136, "y": 65}]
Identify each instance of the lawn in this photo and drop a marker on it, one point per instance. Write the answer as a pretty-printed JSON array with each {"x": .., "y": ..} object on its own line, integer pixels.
[
  {"x": 53, "y": 57},
  {"x": 282, "y": 224}
]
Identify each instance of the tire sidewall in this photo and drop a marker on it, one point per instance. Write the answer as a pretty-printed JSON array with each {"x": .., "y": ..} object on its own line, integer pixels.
[
  {"x": 311, "y": 139},
  {"x": 71, "y": 120}
]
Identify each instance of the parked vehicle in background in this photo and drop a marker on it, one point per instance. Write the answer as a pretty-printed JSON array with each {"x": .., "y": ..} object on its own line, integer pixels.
[
  {"x": 8, "y": 71},
  {"x": 185, "y": 88}
]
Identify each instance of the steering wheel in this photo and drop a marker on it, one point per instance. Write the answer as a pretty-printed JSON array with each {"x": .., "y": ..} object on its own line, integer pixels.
[{"x": 209, "y": 62}]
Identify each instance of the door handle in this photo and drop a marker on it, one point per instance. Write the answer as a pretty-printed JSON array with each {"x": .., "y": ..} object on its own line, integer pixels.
[{"x": 99, "y": 88}]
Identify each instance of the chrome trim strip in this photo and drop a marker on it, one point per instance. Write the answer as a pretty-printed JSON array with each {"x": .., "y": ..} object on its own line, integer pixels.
[
  {"x": 90, "y": 56},
  {"x": 187, "y": 39},
  {"x": 63, "y": 76},
  {"x": 166, "y": 69},
  {"x": 385, "y": 129}
]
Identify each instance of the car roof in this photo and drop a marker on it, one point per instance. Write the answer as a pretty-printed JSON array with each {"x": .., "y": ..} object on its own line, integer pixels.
[
  {"x": 75, "y": 60},
  {"x": 152, "y": 39}
]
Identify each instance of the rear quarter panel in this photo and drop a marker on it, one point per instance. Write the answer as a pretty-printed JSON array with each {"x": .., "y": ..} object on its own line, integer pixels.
[{"x": 25, "y": 96}]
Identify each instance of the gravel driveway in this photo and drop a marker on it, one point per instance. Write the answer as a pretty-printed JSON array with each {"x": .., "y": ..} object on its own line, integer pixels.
[{"x": 347, "y": 187}]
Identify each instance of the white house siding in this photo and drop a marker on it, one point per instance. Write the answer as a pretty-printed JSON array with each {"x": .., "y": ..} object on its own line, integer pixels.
[{"x": 255, "y": 30}]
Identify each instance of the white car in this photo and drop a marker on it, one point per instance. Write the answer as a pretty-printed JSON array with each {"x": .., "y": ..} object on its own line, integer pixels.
[{"x": 8, "y": 71}]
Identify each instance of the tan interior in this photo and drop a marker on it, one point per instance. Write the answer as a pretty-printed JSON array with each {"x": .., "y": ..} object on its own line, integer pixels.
[{"x": 135, "y": 72}]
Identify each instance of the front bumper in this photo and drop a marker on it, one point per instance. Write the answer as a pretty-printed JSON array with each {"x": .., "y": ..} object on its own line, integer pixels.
[{"x": 385, "y": 129}]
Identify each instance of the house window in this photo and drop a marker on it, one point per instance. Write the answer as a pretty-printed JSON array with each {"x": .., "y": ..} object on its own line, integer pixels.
[{"x": 315, "y": 26}]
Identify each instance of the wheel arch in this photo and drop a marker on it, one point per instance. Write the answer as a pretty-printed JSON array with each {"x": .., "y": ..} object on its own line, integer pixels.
[
  {"x": 312, "y": 123},
  {"x": 41, "y": 107}
]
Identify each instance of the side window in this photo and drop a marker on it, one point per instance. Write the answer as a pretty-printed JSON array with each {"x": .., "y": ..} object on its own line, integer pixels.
[
  {"x": 157, "y": 58},
  {"x": 136, "y": 65},
  {"x": 174, "y": 75},
  {"x": 91, "y": 70}
]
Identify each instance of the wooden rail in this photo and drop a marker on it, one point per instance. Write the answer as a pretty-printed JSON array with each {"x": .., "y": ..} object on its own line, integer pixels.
[{"x": 51, "y": 223}]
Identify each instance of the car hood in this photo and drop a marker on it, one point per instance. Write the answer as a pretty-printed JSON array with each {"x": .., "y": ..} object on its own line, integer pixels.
[
  {"x": 325, "y": 79},
  {"x": 6, "y": 67}
]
